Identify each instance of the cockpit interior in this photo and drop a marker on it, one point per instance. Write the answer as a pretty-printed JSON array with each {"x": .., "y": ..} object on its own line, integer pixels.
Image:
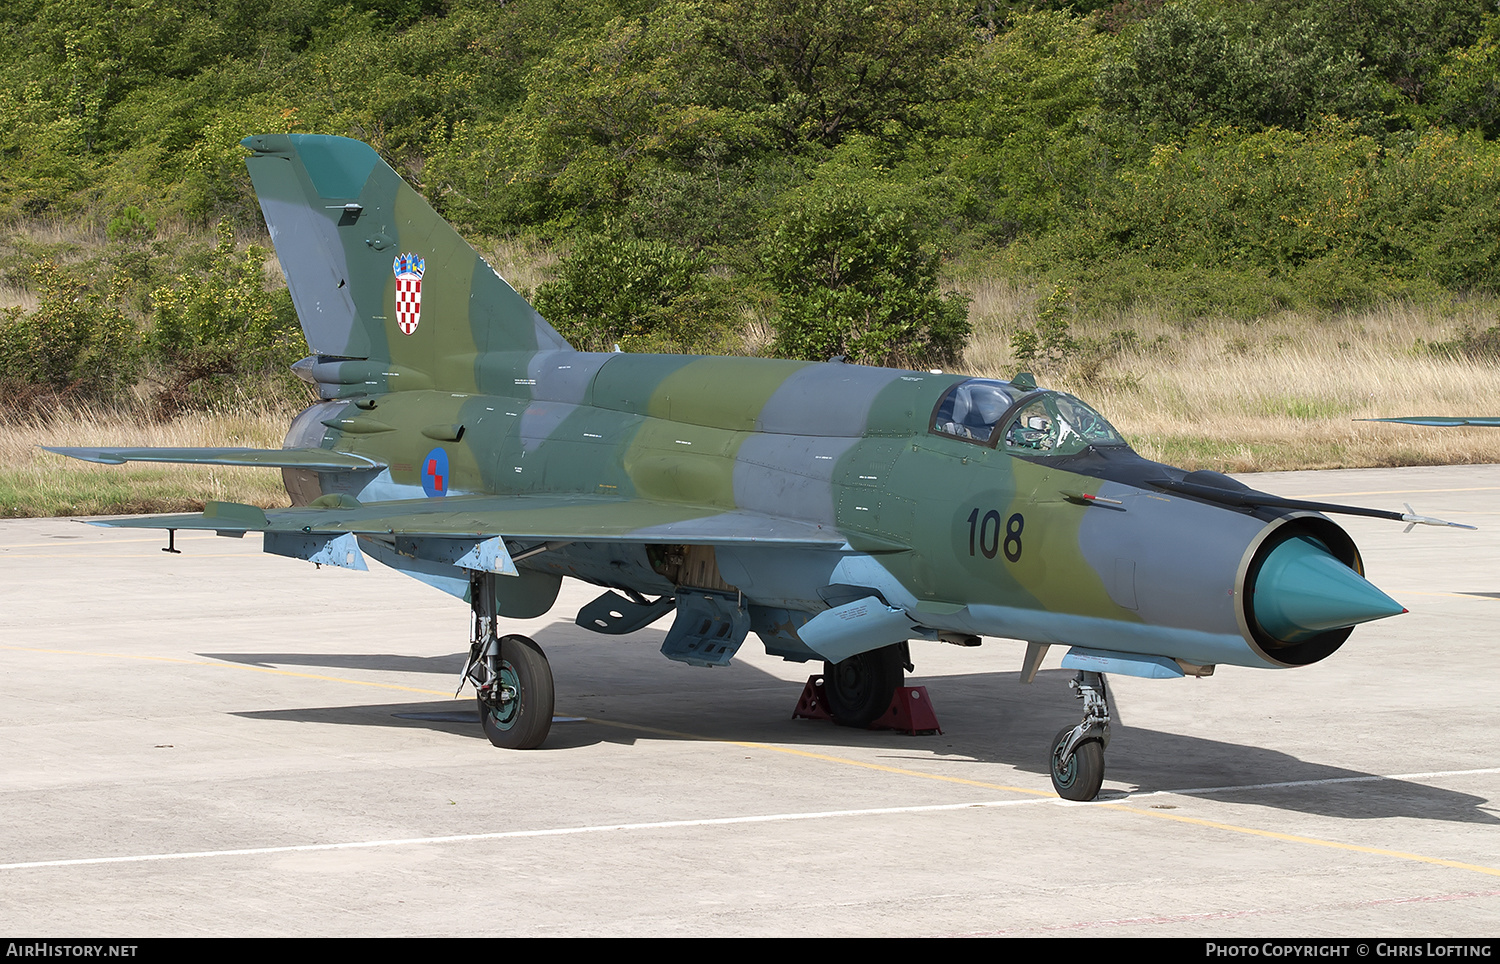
[{"x": 996, "y": 414}]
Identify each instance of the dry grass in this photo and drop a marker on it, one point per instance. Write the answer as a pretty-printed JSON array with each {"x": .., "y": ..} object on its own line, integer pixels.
[
  {"x": 523, "y": 264},
  {"x": 1277, "y": 393},
  {"x": 38, "y": 483},
  {"x": 13, "y": 297}
]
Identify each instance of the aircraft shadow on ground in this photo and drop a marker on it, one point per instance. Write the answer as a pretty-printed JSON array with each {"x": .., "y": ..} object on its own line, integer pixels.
[{"x": 988, "y": 718}]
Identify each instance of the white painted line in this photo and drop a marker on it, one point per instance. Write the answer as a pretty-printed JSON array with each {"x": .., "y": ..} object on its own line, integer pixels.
[
  {"x": 714, "y": 822},
  {"x": 514, "y": 834}
]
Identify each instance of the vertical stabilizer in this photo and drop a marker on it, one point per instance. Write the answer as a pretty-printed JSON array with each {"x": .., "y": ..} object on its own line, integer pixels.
[{"x": 374, "y": 272}]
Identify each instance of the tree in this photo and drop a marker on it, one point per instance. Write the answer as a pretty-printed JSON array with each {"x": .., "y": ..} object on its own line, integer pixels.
[
  {"x": 820, "y": 70},
  {"x": 221, "y": 324},
  {"x": 855, "y": 280},
  {"x": 638, "y": 295},
  {"x": 76, "y": 346}
]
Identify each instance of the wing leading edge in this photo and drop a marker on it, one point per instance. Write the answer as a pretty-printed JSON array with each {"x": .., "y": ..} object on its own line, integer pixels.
[
  {"x": 538, "y": 518},
  {"x": 303, "y": 458}
]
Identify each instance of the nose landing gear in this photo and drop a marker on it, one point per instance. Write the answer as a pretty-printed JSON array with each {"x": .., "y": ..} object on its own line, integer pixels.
[{"x": 1077, "y": 756}]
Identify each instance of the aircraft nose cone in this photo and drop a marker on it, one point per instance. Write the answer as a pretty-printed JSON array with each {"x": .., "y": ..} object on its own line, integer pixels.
[{"x": 1302, "y": 590}]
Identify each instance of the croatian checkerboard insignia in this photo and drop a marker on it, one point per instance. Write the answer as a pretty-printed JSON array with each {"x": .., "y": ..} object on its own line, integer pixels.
[{"x": 409, "y": 268}]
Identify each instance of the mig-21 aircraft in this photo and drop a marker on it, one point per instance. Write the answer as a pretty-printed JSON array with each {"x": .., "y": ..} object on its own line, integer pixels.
[{"x": 835, "y": 511}]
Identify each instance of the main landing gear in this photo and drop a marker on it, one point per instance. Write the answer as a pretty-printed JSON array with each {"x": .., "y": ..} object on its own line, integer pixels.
[
  {"x": 1077, "y": 755},
  {"x": 859, "y": 689},
  {"x": 510, "y": 674}
]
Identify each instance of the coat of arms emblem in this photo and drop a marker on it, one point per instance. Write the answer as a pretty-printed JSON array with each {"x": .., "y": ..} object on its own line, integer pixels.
[{"x": 409, "y": 268}]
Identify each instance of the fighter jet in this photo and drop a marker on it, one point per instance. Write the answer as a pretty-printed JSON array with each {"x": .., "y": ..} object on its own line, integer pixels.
[{"x": 835, "y": 511}]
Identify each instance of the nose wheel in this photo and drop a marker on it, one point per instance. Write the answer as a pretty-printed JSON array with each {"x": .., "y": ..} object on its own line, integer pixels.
[{"x": 1077, "y": 756}]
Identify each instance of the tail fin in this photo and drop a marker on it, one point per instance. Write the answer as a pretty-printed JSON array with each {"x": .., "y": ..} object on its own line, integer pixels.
[{"x": 374, "y": 272}]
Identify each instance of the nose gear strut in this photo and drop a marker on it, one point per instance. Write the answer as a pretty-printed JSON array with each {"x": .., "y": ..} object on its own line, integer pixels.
[{"x": 1077, "y": 757}]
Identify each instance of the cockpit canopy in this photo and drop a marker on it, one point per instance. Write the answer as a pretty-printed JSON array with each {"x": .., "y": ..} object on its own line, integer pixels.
[
  {"x": 972, "y": 409},
  {"x": 995, "y": 413}
]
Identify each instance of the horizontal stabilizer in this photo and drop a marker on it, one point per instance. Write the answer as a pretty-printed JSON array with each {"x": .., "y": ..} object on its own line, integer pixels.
[
  {"x": 539, "y": 518},
  {"x": 318, "y": 459}
]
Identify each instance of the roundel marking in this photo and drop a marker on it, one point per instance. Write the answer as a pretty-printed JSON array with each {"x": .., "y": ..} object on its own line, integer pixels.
[{"x": 435, "y": 473}]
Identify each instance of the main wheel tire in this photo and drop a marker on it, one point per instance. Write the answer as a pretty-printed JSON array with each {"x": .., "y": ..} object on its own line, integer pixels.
[
  {"x": 859, "y": 689},
  {"x": 1079, "y": 776},
  {"x": 522, "y": 723}
]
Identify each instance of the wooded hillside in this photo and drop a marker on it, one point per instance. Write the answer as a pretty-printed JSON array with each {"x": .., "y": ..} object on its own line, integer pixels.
[{"x": 833, "y": 168}]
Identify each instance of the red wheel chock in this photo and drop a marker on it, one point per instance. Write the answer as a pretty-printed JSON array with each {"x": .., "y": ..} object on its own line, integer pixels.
[{"x": 910, "y": 710}]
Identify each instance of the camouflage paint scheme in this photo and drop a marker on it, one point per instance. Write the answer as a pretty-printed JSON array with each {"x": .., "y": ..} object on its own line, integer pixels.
[{"x": 818, "y": 504}]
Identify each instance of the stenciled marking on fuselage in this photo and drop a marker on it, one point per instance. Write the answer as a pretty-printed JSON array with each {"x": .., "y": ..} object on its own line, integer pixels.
[
  {"x": 987, "y": 528},
  {"x": 435, "y": 472}
]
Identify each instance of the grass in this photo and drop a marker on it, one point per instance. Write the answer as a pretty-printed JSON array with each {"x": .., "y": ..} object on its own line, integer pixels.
[
  {"x": 38, "y": 483},
  {"x": 1278, "y": 393}
]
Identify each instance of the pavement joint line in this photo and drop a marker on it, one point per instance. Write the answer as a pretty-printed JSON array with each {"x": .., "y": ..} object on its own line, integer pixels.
[
  {"x": 683, "y": 735},
  {"x": 227, "y": 665},
  {"x": 1324, "y": 781},
  {"x": 1474, "y": 597},
  {"x": 122, "y": 555},
  {"x": 85, "y": 544}
]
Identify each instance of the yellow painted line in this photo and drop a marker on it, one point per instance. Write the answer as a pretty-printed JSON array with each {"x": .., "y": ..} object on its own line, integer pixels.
[
  {"x": 82, "y": 544},
  {"x": 223, "y": 665},
  {"x": 1311, "y": 841},
  {"x": 826, "y": 758}
]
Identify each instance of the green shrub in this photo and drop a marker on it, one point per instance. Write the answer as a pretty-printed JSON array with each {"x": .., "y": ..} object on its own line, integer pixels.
[
  {"x": 76, "y": 346},
  {"x": 132, "y": 226},
  {"x": 1482, "y": 346},
  {"x": 640, "y": 295},
  {"x": 1188, "y": 67},
  {"x": 214, "y": 328},
  {"x": 854, "y": 280}
]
